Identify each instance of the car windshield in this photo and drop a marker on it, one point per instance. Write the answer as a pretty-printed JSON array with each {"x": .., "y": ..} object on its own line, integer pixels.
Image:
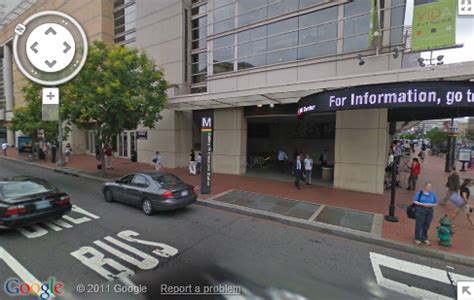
[
  {"x": 167, "y": 179},
  {"x": 16, "y": 189}
]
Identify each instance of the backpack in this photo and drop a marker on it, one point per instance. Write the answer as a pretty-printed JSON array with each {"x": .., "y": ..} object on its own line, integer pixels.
[{"x": 411, "y": 209}]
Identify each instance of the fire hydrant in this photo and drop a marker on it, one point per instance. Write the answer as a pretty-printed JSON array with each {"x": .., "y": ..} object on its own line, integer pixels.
[{"x": 445, "y": 231}]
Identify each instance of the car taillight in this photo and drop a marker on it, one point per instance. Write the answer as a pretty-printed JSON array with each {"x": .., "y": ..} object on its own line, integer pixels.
[
  {"x": 168, "y": 194},
  {"x": 195, "y": 189},
  {"x": 15, "y": 210},
  {"x": 63, "y": 200}
]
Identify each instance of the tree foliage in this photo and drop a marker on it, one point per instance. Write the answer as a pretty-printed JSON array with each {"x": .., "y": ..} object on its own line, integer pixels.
[
  {"x": 437, "y": 136},
  {"x": 28, "y": 118},
  {"x": 118, "y": 89},
  {"x": 469, "y": 134}
]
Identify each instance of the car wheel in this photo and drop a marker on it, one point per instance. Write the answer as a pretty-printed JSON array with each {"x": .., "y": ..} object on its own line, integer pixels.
[
  {"x": 147, "y": 207},
  {"x": 108, "y": 195}
]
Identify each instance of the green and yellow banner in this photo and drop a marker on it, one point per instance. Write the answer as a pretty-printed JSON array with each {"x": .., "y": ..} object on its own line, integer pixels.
[
  {"x": 374, "y": 21},
  {"x": 434, "y": 25}
]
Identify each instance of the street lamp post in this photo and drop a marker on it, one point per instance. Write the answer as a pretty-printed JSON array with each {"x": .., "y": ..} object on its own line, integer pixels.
[
  {"x": 391, "y": 210},
  {"x": 60, "y": 161}
]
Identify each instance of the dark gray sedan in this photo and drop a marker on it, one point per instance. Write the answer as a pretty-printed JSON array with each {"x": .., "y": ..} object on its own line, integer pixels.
[{"x": 151, "y": 190}]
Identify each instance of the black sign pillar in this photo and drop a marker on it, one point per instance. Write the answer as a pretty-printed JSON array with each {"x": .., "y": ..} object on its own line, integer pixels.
[{"x": 206, "y": 150}]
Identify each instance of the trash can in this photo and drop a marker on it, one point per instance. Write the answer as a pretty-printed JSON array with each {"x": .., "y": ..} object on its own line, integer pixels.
[
  {"x": 133, "y": 156},
  {"x": 328, "y": 173}
]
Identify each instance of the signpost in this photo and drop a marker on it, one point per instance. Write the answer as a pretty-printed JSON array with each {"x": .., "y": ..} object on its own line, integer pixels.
[
  {"x": 464, "y": 156},
  {"x": 142, "y": 135},
  {"x": 206, "y": 149}
]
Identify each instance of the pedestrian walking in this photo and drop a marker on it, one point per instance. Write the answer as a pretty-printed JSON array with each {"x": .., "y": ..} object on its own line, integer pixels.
[
  {"x": 282, "y": 157},
  {"x": 68, "y": 152},
  {"x": 192, "y": 163},
  {"x": 464, "y": 206},
  {"x": 98, "y": 157},
  {"x": 198, "y": 163},
  {"x": 108, "y": 154},
  {"x": 157, "y": 161},
  {"x": 421, "y": 155},
  {"x": 424, "y": 200},
  {"x": 453, "y": 185},
  {"x": 323, "y": 158},
  {"x": 415, "y": 170},
  {"x": 308, "y": 168},
  {"x": 5, "y": 148},
  {"x": 298, "y": 171}
]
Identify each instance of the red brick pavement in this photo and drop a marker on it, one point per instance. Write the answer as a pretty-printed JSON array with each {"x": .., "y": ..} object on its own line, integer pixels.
[{"x": 432, "y": 170}]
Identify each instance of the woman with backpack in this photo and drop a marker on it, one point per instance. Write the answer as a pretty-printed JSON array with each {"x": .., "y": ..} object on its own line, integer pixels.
[
  {"x": 424, "y": 201},
  {"x": 462, "y": 202}
]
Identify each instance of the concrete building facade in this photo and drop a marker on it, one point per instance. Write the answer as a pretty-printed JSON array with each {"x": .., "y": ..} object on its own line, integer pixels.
[{"x": 248, "y": 62}]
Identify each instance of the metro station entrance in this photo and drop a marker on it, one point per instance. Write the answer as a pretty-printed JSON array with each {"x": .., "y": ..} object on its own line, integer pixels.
[{"x": 271, "y": 131}]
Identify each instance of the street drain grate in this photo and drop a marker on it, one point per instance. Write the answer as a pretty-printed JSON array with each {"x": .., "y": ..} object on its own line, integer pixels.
[
  {"x": 287, "y": 207},
  {"x": 346, "y": 218},
  {"x": 355, "y": 220}
]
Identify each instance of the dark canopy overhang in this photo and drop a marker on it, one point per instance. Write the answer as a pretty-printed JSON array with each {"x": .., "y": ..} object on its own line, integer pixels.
[{"x": 406, "y": 101}]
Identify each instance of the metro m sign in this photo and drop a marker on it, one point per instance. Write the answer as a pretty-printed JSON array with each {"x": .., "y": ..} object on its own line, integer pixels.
[
  {"x": 206, "y": 122},
  {"x": 206, "y": 149}
]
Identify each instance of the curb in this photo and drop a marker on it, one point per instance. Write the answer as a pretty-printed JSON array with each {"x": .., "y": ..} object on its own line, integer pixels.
[
  {"x": 57, "y": 170},
  {"x": 342, "y": 232},
  {"x": 316, "y": 226}
]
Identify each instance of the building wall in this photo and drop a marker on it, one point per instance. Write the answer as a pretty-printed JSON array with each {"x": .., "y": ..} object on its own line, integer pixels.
[
  {"x": 96, "y": 17},
  {"x": 160, "y": 34},
  {"x": 361, "y": 150}
]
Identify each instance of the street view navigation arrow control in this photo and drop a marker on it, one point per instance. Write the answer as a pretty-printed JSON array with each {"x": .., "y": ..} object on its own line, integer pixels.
[
  {"x": 465, "y": 290},
  {"x": 50, "y": 47}
]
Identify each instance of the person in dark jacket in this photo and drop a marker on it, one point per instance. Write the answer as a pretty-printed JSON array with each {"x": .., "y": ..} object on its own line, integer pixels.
[{"x": 298, "y": 171}]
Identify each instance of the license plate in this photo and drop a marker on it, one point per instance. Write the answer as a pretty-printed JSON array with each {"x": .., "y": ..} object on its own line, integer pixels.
[
  {"x": 184, "y": 193},
  {"x": 43, "y": 204}
]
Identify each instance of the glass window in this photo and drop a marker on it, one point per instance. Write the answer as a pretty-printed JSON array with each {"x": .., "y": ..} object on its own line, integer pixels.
[
  {"x": 219, "y": 3},
  {"x": 125, "y": 22},
  {"x": 167, "y": 179},
  {"x": 252, "y": 48},
  {"x": 199, "y": 10},
  {"x": 306, "y": 3},
  {"x": 140, "y": 181},
  {"x": 224, "y": 18},
  {"x": 279, "y": 39},
  {"x": 316, "y": 31},
  {"x": 198, "y": 89},
  {"x": 356, "y": 29},
  {"x": 223, "y": 54},
  {"x": 251, "y": 11},
  {"x": 199, "y": 33},
  {"x": 278, "y": 7},
  {"x": 397, "y": 20},
  {"x": 199, "y": 63}
]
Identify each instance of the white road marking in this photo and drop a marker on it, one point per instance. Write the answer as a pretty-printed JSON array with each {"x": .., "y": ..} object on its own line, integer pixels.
[
  {"x": 163, "y": 250},
  {"x": 126, "y": 281},
  {"x": 58, "y": 225},
  {"x": 438, "y": 275},
  {"x": 18, "y": 268},
  {"x": 97, "y": 261},
  {"x": 148, "y": 262}
]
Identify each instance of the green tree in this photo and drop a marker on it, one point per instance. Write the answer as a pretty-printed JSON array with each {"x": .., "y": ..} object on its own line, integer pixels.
[
  {"x": 469, "y": 134},
  {"x": 437, "y": 136},
  {"x": 118, "y": 89},
  {"x": 28, "y": 118}
]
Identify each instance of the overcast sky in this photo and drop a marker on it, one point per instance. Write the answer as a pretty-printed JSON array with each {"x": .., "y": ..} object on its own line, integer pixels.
[{"x": 464, "y": 35}]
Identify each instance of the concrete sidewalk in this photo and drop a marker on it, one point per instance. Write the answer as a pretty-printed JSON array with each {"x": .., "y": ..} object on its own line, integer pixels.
[{"x": 401, "y": 232}]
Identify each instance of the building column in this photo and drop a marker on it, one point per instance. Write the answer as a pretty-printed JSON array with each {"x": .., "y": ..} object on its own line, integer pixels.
[
  {"x": 172, "y": 136},
  {"x": 8, "y": 87},
  {"x": 361, "y": 150},
  {"x": 230, "y": 141}
]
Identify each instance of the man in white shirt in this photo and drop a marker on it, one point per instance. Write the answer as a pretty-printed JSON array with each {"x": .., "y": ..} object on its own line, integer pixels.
[
  {"x": 281, "y": 158},
  {"x": 298, "y": 171},
  {"x": 308, "y": 168},
  {"x": 4, "y": 149}
]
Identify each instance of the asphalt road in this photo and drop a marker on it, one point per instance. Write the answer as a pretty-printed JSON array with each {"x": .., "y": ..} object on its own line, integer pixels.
[{"x": 175, "y": 253}]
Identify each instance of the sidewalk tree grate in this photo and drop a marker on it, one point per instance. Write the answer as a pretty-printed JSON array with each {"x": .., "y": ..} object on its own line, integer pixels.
[
  {"x": 287, "y": 207},
  {"x": 346, "y": 218}
]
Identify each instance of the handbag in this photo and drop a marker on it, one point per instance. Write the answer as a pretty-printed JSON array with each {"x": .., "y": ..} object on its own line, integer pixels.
[
  {"x": 411, "y": 209},
  {"x": 154, "y": 160},
  {"x": 457, "y": 200}
]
